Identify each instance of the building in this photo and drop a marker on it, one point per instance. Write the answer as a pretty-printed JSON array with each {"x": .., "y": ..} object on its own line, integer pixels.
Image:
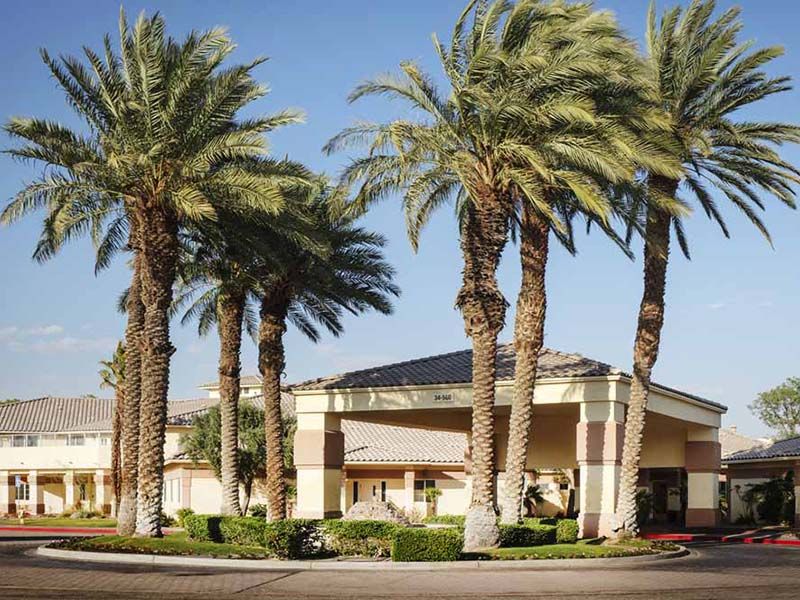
[
  {"x": 389, "y": 433},
  {"x": 578, "y": 427},
  {"x": 757, "y": 465}
]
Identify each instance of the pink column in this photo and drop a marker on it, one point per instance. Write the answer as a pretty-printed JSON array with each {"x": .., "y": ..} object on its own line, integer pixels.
[{"x": 702, "y": 468}]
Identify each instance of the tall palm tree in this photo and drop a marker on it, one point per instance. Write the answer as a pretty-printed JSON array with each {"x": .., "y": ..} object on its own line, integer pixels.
[
  {"x": 164, "y": 145},
  {"x": 112, "y": 376},
  {"x": 587, "y": 145},
  {"x": 703, "y": 75},
  {"x": 215, "y": 278},
  {"x": 309, "y": 288}
]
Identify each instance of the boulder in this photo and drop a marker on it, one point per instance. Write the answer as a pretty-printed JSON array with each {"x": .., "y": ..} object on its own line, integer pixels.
[{"x": 375, "y": 511}]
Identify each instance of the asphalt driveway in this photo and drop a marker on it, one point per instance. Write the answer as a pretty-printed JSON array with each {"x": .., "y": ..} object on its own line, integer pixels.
[{"x": 711, "y": 571}]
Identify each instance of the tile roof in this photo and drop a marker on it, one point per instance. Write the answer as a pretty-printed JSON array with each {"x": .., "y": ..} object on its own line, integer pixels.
[
  {"x": 783, "y": 449},
  {"x": 52, "y": 414},
  {"x": 732, "y": 441},
  {"x": 364, "y": 442},
  {"x": 456, "y": 367}
]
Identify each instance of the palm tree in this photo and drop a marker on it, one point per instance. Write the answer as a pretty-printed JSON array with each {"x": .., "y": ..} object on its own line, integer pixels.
[
  {"x": 165, "y": 147},
  {"x": 586, "y": 147},
  {"x": 309, "y": 288},
  {"x": 703, "y": 75},
  {"x": 112, "y": 376},
  {"x": 214, "y": 275}
]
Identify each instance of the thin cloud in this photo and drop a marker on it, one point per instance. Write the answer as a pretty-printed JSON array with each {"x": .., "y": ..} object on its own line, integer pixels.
[
  {"x": 45, "y": 330},
  {"x": 717, "y": 305}
]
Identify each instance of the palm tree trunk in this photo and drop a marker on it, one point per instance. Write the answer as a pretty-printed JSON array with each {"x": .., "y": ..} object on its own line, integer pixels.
[
  {"x": 271, "y": 362},
  {"x": 483, "y": 309},
  {"x": 116, "y": 444},
  {"x": 126, "y": 514},
  {"x": 229, "y": 327},
  {"x": 645, "y": 354},
  {"x": 160, "y": 253},
  {"x": 528, "y": 342}
]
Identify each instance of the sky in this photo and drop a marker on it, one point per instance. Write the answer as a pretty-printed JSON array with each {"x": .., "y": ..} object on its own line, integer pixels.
[{"x": 731, "y": 324}]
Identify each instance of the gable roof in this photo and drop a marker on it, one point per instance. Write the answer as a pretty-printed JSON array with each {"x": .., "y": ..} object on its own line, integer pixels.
[
  {"x": 783, "y": 449},
  {"x": 456, "y": 367}
]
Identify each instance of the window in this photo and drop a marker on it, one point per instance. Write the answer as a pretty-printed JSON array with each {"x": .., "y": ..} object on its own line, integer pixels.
[
  {"x": 355, "y": 492},
  {"x": 32, "y": 440},
  {"x": 383, "y": 491},
  {"x": 5, "y": 441},
  {"x": 420, "y": 485},
  {"x": 105, "y": 440},
  {"x": 23, "y": 489},
  {"x": 564, "y": 485},
  {"x": 19, "y": 441},
  {"x": 82, "y": 496},
  {"x": 723, "y": 488},
  {"x": 76, "y": 439}
]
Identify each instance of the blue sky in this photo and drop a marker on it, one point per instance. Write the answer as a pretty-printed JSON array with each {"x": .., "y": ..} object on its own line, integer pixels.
[{"x": 731, "y": 328}]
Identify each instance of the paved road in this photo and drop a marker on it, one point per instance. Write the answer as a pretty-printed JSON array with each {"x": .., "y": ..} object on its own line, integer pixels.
[{"x": 711, "y": 572}]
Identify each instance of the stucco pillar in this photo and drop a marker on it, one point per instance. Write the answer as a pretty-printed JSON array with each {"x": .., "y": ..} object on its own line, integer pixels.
[
  {"x": 186, "y": 488},
  {"x": 702, "y": 468},
  {"x": 408, "y": 479},
  {"x": 36, "y": 502},
  {"x": 102, "y": 492},
  {"x": 69, "y": 490},
  {"x": 319, "y": 457},
  {"x": 599, "y": 455},
  {"x": 5, "y": 493}
]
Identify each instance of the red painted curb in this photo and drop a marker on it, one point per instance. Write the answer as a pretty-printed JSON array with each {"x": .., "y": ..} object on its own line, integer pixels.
[
  {"x": 726, "y": 539},
  {"x": 40, "y": 529}
]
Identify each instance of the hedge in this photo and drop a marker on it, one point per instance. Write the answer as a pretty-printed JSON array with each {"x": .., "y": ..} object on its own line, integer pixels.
[
  {"x": 292, "y": 538},
  {"x": 457, "y": 520},
  {"x": 567, "y": 531},
  {"x": 534, "y": 521},
  {"x": 359, "y": 538},
  {"x": 415, "y": 544},
  {"x": 522, "y": 536}
]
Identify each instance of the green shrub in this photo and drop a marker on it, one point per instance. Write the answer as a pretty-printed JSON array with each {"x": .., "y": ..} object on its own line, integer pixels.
[
  {"x": 522, "y": 536},
  {"x": 457, "y": 520},
  {"x": 359, "y": 538},
  {"x": 293, "y": 538},
  {"x": 567, "y": 531},
  {"x": 203, "y": 528},
  {"x": 245, "y": 531},
  {"x": 259, "y": 510},
  {"x": 535, "y": 521},
  {"x": 415, "y": 544},
  {"x": 181, "y": 514},
  {"x": 166, "y": 520}
]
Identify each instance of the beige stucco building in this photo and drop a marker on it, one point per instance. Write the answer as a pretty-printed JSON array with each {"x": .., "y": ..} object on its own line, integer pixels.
[{"x": 578, "y": 427}]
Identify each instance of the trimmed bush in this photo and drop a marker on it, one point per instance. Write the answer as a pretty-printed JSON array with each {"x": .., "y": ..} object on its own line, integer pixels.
[
  {"x": 293, "y": 538},
  {"x": 522, "y": 536},
  {"x": 181, "y": 514},
  {"x": 535, "y": 521},
  {"x": 567, "y": 531},
  {"x": 415, "y": 544},
  {"x": 259, "y": 510},
  {"x": 245, "y": 531},
  {"x": 359, "y": 538},
  {"x": 457, "y": 520},
  {"x": 203, "y": 528}
]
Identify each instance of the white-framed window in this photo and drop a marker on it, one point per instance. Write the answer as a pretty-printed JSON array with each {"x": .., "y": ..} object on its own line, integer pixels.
[
  {"x": 19, "y": 441},
  {"x": 420, "y": 485},
  {"x": 76, "y": 439},
  {"x": 105, "y": 440},
  {"x": 5, "y": 441},
  {"x": 32, "y": 441},
  {"x": 22, "y": 488}
]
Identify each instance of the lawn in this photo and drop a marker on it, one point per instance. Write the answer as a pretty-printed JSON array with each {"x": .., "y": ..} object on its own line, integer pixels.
[
  {"x": 176, "y": 544},
  {"x": 61, "y": 522},
  {"x": 579, "y": 550}
]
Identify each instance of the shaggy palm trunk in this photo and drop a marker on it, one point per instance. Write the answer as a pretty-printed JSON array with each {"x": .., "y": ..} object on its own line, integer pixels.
[
  {"x": 271, "y": 362},
  {"x": 229, "y": 327},
  {"x": 483, "y": 309},
  {"x": 116, "y": 443},
  {"x": 645, "y": 354},
  {"x": 528, "y": 342},
  {"x": 126, "y": 514},
  {"x": 159, "y": 254}
]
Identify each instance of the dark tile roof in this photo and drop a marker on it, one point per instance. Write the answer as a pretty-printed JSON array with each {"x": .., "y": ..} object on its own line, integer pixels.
[
  {"x": 783, "y": 449},
  {"x": 456, "y": 367}
]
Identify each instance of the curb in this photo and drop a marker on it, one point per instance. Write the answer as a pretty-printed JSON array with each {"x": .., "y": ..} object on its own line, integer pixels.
[
  {"x": 322, "y": 565},
  {"x": 58, "y": 530},
  {"x": 766, "y": 539}
]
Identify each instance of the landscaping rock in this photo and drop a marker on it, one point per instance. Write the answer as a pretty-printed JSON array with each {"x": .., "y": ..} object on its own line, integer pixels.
[{"x": 375, "y": 511}]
